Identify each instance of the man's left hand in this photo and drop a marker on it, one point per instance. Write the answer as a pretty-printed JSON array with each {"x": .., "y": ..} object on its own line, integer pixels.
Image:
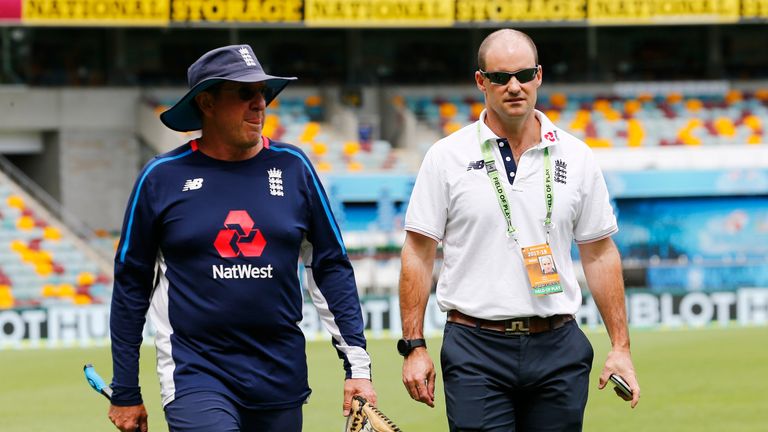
[
  {"x": 358, "y": 386},
  {"x": 620, "y": 363}
]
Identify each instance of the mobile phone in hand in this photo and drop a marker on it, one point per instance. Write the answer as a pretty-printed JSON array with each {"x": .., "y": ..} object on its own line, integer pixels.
[{"x": 621, "y": 385}]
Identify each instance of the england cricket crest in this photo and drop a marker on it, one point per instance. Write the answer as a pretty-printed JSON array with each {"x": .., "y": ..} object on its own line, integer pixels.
[{"x": 275, "y": 182}]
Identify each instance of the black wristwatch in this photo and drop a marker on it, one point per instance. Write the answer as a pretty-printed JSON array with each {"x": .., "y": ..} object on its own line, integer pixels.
[{"x": 405, "y": 346}]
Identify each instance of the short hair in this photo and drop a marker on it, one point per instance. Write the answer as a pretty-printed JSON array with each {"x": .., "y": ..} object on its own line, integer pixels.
[{"x": 488, "y": 41}]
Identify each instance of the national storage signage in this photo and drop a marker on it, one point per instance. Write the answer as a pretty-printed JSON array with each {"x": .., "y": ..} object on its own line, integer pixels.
[
  {"x": 96, "y": 12},
  {"x": 617, "y": 12},
  {"x": 237, "y": 11},
  {"x": 754, "y": 10},
  {"x": 520, "y": 11},
  {"x": 378, "y": 13},
  {"x": 66, "y": 326}
]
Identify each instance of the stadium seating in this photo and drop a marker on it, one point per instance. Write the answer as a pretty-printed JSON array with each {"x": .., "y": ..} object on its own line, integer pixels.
[
  {"x": 41, "y": 263},
  {"x": 302, "y": 121},
  {"x": 735, "y": 117}
]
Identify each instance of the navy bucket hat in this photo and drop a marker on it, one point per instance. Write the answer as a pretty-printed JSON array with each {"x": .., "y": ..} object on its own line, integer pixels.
[{"x": 230, "y": 63}]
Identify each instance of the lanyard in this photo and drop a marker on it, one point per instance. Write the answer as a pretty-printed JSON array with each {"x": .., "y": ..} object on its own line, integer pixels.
[{"x": 501, "y": 196}]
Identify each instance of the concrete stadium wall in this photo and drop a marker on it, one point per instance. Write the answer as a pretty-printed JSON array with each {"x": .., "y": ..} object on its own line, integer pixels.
[{"x": 89, "y": 156}]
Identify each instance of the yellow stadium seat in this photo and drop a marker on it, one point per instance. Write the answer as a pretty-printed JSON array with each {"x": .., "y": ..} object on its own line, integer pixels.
[
  {"x": 324, "y": 167},
  {"x": 674, "y": 98},
  {"x": 6, "y": 297},
  {"x": 351, "y": 148},
  {"x": 558, "y": 100},
  {"x": 28, "y": 255},
  {"x": 725, "y": 127},
  {"x": 15, "y": 201},
  {"x": 271, "y": 123},
  {"x": 86, "y": 278},
  {"x": 762, "y": 94},
  {"x": 755, "y": 139},
  {"x": 612, "y": 115},
  {"x": 581, "y": 119},
  {"x": 476, "y": 109},
  {"x": 632, "y": 106},
  {"x": 451, "y": 127},
  {"x": 690, "y": 140},
  {"x": 354, "y": 166},
  {"x": 753, "y": 122},
  {"x": 598, "y": 142},
  {"x": 25, "y": 223},
  {"x": 448, "y": 111},
  {"x": 42, "y": 256},
  {"x": 44, "y": 268},
  {"x": 18, "y": 246},
  {"x": 635, "y": 133},
  {"x": 602, "y": 105},
  {"x": 67, "y": 290},
  {"x": 694, "y": 105},
  {"x": 50, "y": 290},
  {"x": 320, "y": 149},
  {"x": 51, "y": 233},
  {"x": 82, "y": 299},
  {"x": 553, "y": 115},
  {"x": 645, "y": 97},
  {"x": 311, "y": 130},
  {"x": 734, "y": 96},
  {"x": 313, "y": 101}
]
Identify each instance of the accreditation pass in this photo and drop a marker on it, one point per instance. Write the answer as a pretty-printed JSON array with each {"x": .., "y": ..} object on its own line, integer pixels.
[{"x": 542, "y": 271}]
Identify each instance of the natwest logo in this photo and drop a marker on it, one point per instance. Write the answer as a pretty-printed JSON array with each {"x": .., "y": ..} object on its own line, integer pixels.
[{"x": 239, "y": 237}]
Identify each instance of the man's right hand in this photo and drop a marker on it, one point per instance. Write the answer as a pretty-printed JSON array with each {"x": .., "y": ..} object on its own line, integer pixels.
[
  {"x": 419, "y": 376},
  {"x": 129, "y": 418}
]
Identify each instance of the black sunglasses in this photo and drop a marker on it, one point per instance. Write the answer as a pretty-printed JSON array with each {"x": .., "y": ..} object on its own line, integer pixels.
[
  {"x": 247, "y": 93},
  {"x": 502, "y": 78}
]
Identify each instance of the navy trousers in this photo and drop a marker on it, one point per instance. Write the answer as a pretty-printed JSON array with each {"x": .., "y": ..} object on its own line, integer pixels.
[
  {"x": 527, "y": 383},
  {"x": 213, "y": 412}
]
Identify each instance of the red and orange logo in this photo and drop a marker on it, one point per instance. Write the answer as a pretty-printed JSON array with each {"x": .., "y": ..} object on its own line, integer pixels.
[{"x": 239, "y": 237}]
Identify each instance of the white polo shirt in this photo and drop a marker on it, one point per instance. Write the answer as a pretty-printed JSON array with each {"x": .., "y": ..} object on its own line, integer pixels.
[{"x": 483, "y": 274}]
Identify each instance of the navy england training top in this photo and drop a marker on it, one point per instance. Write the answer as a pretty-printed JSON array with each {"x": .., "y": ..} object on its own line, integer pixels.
[{"x": 211, "y": 249}]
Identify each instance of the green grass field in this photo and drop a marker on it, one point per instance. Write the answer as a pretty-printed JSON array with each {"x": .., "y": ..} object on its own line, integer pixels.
[{"x": 697, "y": 380}]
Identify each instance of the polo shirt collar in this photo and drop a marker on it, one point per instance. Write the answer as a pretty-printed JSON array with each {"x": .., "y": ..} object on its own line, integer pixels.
[{"x": 549, "y": 132}]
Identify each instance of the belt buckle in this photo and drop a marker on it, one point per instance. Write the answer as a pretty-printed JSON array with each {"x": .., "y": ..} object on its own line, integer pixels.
[{"x": 517, "y": 326}]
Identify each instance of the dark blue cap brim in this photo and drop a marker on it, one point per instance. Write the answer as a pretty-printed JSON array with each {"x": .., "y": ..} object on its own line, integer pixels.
[{"x": 184, "y": 116}]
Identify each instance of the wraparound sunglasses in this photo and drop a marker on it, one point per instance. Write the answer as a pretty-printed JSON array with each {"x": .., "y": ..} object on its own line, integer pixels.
[{"x": 502, "y": 78}]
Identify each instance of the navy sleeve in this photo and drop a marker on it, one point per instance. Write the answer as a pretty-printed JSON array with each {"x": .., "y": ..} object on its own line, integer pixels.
[
  {"x": 332, "y": 281},
  {"x": 134, "y": 275}
]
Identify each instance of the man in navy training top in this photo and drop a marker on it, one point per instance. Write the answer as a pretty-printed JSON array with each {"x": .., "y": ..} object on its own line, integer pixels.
[{"x": 212, "y": 236}]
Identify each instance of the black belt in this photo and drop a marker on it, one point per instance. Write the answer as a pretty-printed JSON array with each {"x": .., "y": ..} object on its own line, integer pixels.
[{"x": 514, "y": 326}]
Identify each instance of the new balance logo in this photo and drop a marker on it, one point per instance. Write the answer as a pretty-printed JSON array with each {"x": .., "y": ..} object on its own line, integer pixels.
[
  {"x": 275, "y": 182},
  {"x": 192, "y": 184},
  {"x": 247, "y": 56},
  {"x": 476, "y": 165}
]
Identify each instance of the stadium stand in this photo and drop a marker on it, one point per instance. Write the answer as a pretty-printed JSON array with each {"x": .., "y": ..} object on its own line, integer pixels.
[
  {"x": 41, "y": 261},
  {"x": 309, "y": 122},
  {"x": 646, "y": 120}
]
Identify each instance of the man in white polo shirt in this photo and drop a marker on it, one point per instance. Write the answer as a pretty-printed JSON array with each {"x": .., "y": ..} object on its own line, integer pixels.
[{"x": 500, "y": 194}]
